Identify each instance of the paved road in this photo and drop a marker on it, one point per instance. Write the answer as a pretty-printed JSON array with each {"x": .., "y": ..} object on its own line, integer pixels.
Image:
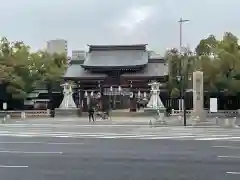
[
  {"x": 100, "y": 159},
  {"x": 71, "y": 150}
]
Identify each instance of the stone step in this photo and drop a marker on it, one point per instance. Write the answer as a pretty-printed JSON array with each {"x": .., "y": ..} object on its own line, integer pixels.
[
  {"x": 74, "y": 112},
  {"x": 126, "y": 114}
]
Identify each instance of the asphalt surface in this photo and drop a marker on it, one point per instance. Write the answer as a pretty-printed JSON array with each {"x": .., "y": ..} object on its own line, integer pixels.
[
  {"x": 56, "y": 151},
  {"x": 99, "y": 159}
]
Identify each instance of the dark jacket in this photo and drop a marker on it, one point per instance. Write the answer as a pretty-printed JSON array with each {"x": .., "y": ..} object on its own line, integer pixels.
[{"x": 91, "y": 110}]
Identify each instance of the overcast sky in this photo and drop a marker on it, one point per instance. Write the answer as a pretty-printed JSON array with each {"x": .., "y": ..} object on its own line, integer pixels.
[{"x": 82, "y": 22}]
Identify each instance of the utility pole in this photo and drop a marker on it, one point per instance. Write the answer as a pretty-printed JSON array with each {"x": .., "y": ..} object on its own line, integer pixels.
[{"x": 182, "y": 74}]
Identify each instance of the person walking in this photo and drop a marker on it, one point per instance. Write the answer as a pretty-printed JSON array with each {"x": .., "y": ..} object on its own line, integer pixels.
[{"x": 91, "y": 114}]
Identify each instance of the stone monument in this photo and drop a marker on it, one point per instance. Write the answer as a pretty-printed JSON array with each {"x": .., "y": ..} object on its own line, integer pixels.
[
  {"x": 198, "y": 97},
  {"x": 155, "y": 104},
  {"x": 68, "y": 106}
]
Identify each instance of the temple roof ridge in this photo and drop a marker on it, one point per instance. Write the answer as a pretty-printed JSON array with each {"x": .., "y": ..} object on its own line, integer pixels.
[{"x": 117, "y": 47}]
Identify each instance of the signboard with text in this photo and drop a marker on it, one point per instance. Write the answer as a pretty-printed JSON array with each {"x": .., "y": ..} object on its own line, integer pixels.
[{"x": 213, "y": 105}]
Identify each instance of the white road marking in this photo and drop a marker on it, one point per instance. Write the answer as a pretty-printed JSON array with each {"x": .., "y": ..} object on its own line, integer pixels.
[
  {"x": 62, "y": 143},
  {"x": 235, "y": 173},
  {"x": 50, "y": 143},
  {"x": 220, "y": 135},
  {"x": 3, "y": 166},
  {"x": 217, "y": 138},
  {"x": 18, "y": 135},
  {"x": 21, "y": 142},
  {"x": 74, "y": 125},
  {"x": 167, "y": 137},
  {"x": 135, "y": 132},
  {"x": 138, "y": 135},
  {"x": 227, "y": 147},
  {"x": 144, "y": 137},
  {"x": 26, "y": 152},
  {"x": 231, "y": 157}
]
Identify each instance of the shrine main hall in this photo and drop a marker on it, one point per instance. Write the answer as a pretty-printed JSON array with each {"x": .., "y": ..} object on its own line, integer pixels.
[{"x": 115, "y": 76}]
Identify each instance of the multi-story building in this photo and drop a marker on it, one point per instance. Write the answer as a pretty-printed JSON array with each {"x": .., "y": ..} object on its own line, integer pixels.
[
  {"x": 78, "y": 55},
  {"x": 57, "y": 46}
]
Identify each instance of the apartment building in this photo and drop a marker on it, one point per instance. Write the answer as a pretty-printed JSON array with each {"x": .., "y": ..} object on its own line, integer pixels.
[{"x": 57, "y": 46}]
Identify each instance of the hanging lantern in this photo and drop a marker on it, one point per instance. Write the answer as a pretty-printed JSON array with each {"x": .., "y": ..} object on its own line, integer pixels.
[
  {"x": 119, "y": 88},
  {"x": 92, "y": 94},
  {"x": 99, "y": 95},
  {"x": 86, "y": 94},
  {"x": 139, "y": 94},
  {"x": 130, "y": 84},
  {"x": 144, "y": 94},
  {"x": 111, "y": 88}
]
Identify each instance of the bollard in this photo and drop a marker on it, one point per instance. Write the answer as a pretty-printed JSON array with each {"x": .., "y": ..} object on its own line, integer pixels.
[
  {"x": 216, "y": 118},
  {"x": 197, "y": 118},
  {"x": 150, "y": 123},
  {"x": 179, "y": 118},
  {"x": 235, "y": 119},
  {"x": 226, "y": 122},
  {"x": 4, "y": 120},
  {"x": 234, "y": 122},
  {"x": 23, "y": 115}
]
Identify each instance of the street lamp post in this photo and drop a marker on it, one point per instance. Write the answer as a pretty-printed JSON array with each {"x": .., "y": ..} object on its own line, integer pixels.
[
  {"x": 182, "y": 75},
  {"x": 110, "y": 99},
  {"x": 120, "y": 94},
  {"x": 182, "y": 96},
  {"x": 181, "y": 21}
]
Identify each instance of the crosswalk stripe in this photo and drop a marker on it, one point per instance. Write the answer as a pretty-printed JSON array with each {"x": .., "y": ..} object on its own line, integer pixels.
[
  {"x": 217, "y": 138},
  {"x": 118, "y": 136},
  {"x": 135, "y": 132}
]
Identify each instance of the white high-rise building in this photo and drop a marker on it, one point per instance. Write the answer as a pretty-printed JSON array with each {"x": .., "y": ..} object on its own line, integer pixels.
[{"x": 57, "y": 46}]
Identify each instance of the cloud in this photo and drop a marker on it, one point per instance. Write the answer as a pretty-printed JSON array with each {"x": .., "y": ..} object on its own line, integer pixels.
[
  {"x": 117, "y": 21},
  {"x": 134, "y": 17}
]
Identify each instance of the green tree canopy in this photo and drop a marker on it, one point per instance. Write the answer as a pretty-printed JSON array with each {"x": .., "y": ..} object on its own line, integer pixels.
[
  {"x": 218, "y": 59},
  {"x": 21, "y": 70}
]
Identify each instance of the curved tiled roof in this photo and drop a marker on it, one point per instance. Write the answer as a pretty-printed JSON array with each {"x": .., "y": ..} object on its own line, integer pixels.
[
  {"x": 116, "y": 59},
  {"x": 152, "y": 69},
  {"x": 117, "y": 47},
  {"x": 76, "y": 71}
]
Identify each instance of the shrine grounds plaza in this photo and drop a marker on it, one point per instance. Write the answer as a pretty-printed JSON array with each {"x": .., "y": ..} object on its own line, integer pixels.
[{"x": 71, "y": 148}]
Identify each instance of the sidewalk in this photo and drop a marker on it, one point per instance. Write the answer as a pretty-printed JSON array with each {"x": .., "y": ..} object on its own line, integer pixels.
[{"x": 131, "y": 121}]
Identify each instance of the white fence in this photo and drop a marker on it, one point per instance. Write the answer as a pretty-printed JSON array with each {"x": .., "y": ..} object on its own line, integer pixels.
[
  {"x": 227, "y": 113},
  {"x": 27, "y": 113}
]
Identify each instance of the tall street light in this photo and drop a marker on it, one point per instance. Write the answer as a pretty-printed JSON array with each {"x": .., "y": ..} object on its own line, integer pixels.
[{"x": 181, "y": 21}]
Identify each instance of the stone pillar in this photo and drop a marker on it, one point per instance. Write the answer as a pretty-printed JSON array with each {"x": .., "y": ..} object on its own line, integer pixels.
[{"x": 198, "y": 96}]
